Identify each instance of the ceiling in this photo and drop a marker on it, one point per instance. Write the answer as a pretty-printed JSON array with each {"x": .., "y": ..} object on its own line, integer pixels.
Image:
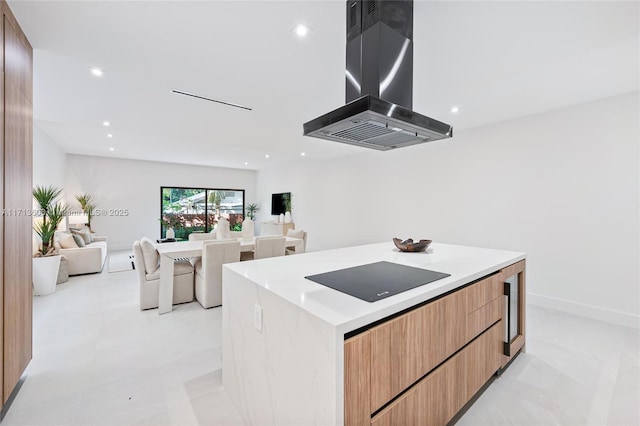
[{"x": 495, "y": 60}]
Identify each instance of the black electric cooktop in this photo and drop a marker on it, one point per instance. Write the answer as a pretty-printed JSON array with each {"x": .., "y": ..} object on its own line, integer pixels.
[{"x": 376, "y": 281}]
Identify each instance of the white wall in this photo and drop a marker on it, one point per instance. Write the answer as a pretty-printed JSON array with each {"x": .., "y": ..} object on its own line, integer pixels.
[
  {"x": 562, "y": 186},
  {"x": 49, "y": 167},
  {"x": 49, "y": 161},
  {"x": 135, "y": 185}
]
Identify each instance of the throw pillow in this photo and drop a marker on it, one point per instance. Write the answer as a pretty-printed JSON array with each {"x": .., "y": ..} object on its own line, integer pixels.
[
  {"x": 149, "y": 255},
  {"x": 78, "y": 239},
  {"x": 56, "y": 238},
  {"x": 67, "y": 242},
  {"x": 293, "y": 233},
  {"x": 87, "y": 235},
  {"x": 84, "y": 233}
]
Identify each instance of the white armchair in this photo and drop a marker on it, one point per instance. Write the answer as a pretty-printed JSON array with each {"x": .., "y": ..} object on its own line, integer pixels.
[
  {"x": 147, "y": 262},
  {"x": 208, "y": 270}
]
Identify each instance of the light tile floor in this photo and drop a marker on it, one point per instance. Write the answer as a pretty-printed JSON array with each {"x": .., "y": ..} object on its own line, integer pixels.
[
  {"x": 98, "y": 360},
  {"x": 576, "y": 371}
]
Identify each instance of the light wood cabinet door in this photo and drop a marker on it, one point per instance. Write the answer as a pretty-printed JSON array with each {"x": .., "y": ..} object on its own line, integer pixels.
[
  {"x": 423, "y": 405},
  {"x": 357, "y": 366},
  {"x": 482, "y": 359},
  {"x": 480, "y": 319},
  {"x": 483, "y": 292},
  {"x": 407, "y": 347},
  {"x": 440, "y": 395}
]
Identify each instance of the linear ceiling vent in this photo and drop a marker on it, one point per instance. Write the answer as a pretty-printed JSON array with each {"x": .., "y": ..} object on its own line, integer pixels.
[
  {"x": 379, "y": 82},
  {"x": 181, "y": 92}
]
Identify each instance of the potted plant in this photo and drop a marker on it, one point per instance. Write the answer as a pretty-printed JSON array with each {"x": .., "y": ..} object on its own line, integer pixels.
[
  {"x": 287, "y": 208},
  {"x": 172, "y": 222},
  {"x": 87, "y": 206},
  {"x": 46, "y": 261},
  {"x": 251, "y": 211}
]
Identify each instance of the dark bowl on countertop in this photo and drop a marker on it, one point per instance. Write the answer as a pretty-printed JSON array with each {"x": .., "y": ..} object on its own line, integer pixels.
[{"x": 409, "y": 246}]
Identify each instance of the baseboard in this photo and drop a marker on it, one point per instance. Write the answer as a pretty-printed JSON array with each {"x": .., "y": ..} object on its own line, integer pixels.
[
  {"x": 12, "y": 396},
  {"x": 589, "y": 311}
]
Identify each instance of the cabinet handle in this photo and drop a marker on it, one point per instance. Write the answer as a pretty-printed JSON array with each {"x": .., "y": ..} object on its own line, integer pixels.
[{"x": 507, "y": 323}]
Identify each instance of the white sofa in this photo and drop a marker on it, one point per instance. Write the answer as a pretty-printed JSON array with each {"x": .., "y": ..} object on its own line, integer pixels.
[{"x": 84, "y": 260}]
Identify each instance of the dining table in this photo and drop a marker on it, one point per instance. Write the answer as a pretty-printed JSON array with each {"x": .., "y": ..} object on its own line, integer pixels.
[{"x": 170, "y": 252}]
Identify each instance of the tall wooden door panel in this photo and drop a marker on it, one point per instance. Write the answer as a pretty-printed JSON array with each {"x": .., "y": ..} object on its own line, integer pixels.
[
  {"x": 2, "y": 208},
  {"x": 17, "y": 303}
]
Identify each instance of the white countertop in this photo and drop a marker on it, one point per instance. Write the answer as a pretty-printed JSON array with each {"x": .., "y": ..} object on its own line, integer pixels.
[{"x": 284, "y": 277}]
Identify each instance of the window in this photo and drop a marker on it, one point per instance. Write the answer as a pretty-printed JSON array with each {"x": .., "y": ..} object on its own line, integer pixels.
[{"x": 189, "y": 210}]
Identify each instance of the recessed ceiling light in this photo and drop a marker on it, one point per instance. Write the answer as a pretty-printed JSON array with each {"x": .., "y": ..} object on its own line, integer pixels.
[
  {"x": 301, "y": 30},
  {"x": 112, "y": 149},
  {"x": 455, "y": 109},
  {"x": 246, "y": 163},
  {"x": 302, "y": 154},
  {"x": 266, "y": 156},
  {"x": 106, "y": 124},
  {"x": 109, "y": 135},
  {"x": 97, "y": 72}
]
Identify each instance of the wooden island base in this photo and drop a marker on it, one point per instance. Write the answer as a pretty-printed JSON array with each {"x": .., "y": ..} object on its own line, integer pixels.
[{"x": 424, "y": 365}]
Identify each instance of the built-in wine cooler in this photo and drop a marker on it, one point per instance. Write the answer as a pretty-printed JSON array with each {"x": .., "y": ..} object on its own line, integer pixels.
[{"x": 514, "y": 299}]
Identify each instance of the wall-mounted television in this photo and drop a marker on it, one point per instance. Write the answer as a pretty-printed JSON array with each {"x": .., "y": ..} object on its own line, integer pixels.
[{"x": 279, "y": 203}]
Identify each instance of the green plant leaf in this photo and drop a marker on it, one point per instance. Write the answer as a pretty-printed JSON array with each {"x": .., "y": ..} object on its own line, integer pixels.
[{"x": 52, "y": 214}]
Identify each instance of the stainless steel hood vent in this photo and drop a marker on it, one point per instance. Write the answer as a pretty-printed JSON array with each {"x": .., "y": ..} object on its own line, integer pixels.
[{"x": 379, "y": 82}]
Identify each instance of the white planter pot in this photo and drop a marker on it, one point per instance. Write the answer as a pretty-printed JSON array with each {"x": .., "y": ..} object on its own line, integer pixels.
[
  {"x": 287, "y": 217},
  {"x": 45, "y": 274}
]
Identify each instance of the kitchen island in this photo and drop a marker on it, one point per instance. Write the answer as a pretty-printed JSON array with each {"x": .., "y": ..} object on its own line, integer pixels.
[{"x": 297, "y": 352}]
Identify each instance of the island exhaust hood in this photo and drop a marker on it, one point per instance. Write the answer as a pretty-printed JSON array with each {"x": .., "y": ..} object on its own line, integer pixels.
[{"x": 379, "y": 82}]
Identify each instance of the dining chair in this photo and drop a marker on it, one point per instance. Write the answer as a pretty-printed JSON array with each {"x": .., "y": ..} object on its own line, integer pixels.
[
  {"x": 248, "y": 229},
  {"x": 269, "y": 246},
  {"x": 208, "y": 270},
  {"x": 297, "y": 234},
  {"x": 147, "y": 266},
  {"x": 202, "y": 236},
  {"x": 223, "y": 231}
]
